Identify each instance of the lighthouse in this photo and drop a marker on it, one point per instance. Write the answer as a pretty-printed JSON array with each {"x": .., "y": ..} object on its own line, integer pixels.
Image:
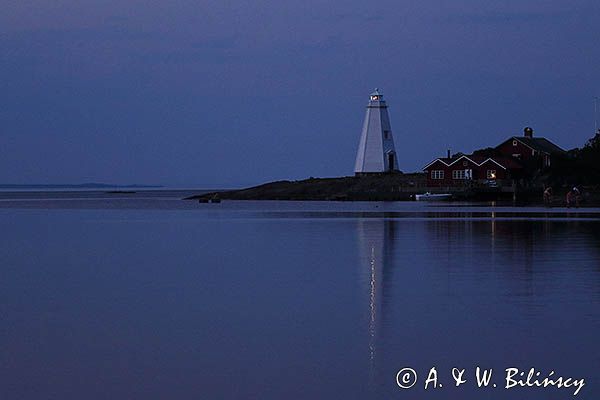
[{"x": 376, "y": 152}]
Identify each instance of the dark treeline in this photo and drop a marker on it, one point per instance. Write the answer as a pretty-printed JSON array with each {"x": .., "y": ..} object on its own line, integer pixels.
[{"x": 580, "y": 166}]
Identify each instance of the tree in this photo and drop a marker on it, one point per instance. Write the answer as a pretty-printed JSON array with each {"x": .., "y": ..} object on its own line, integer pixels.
[{"x": 594, "y": 143}]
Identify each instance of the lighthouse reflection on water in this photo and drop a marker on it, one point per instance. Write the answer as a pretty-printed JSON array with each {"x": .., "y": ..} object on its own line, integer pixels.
[{"x": 376, "y": 240}]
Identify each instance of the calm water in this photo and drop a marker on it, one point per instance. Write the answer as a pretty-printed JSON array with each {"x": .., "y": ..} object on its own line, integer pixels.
[{"x": 144, "y": 296}]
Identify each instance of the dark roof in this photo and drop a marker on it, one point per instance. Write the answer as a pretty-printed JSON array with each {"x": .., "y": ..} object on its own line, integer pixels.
[
  {"x": 540, "y": 144},
  {"x": 506, "y": 162}
]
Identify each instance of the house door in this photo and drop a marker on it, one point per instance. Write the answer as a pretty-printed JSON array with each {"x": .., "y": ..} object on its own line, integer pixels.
[{"x": 391, "y": 161}]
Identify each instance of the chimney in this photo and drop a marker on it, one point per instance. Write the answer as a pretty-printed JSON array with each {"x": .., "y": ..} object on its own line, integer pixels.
[
  {"x": 448, "y": 153},
  {"x": 528, "y": 132}
]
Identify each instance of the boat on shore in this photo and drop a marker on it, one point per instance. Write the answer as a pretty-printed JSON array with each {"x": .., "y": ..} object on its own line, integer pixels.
[{"x": 433, "y": 196}]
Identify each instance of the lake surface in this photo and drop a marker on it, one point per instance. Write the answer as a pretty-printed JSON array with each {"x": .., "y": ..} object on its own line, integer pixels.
[{"x": 145, "y": 296}]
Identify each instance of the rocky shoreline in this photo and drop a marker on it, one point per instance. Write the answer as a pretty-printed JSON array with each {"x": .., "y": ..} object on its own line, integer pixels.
[
  {"x": 384, "y": 187},
  {"x": 395, "y": 186}
]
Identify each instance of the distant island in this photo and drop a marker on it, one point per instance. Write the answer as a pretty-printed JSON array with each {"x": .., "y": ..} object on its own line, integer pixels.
[{"x": 75, "y": 186}]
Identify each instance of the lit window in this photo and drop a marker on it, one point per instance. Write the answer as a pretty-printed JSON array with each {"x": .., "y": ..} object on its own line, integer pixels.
[
  {"x": 491, "y": 174},
  {"x": 374, "y": 98},
  {"x": 437, "y": 174}
]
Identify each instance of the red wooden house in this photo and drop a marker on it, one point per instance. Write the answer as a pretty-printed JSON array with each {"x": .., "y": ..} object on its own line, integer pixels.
[
  {"x": 533, "y": 153},
  {"x": 463, "y": 170},
  {"x": 515, "y": 158}
]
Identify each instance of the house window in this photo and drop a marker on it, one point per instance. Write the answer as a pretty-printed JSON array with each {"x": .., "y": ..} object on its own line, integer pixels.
[
  {"x": 533, "y": 152},
  {"x": 465, "y": 163},
  {"x": 491, "y": 174},
  {"x": 437, "y": 174},
  {"x": 515, "y": 143},
  {"x": 517, "y": 156},
  {"x": 458, "y": 174}
]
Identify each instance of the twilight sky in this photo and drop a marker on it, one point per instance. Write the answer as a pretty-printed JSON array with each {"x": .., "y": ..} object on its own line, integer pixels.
[{"x": 231, "y": 92}]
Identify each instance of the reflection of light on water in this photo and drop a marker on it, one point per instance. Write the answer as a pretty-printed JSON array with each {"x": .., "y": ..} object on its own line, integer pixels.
[
  {"x": 373, "y": 311},
  {"x": 372, "y": 235},
  {"x": 493, "y": 237}
]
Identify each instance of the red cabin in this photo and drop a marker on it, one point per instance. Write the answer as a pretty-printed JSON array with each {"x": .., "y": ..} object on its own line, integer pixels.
[
  {"x": 464, "y": 170},
  {"x": 533, "y": 153},
  {"x": 515, "y": 158}
]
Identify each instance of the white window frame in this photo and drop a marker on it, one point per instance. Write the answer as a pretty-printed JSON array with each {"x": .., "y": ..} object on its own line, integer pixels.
[
  {"x": 515, "y": 143},
  {"x": 437, "y": 174},
  {"x": 459, "y": 174}
]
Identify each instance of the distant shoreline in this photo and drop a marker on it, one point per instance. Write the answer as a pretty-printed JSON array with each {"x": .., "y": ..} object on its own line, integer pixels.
[{"x": 74, "y": 186}]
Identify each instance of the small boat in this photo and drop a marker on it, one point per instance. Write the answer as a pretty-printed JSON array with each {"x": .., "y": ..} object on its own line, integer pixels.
[{"x": 433, "y": 196}]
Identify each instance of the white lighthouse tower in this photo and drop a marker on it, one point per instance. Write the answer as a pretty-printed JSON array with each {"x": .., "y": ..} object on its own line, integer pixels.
[{"x": 376, "y": 152}]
